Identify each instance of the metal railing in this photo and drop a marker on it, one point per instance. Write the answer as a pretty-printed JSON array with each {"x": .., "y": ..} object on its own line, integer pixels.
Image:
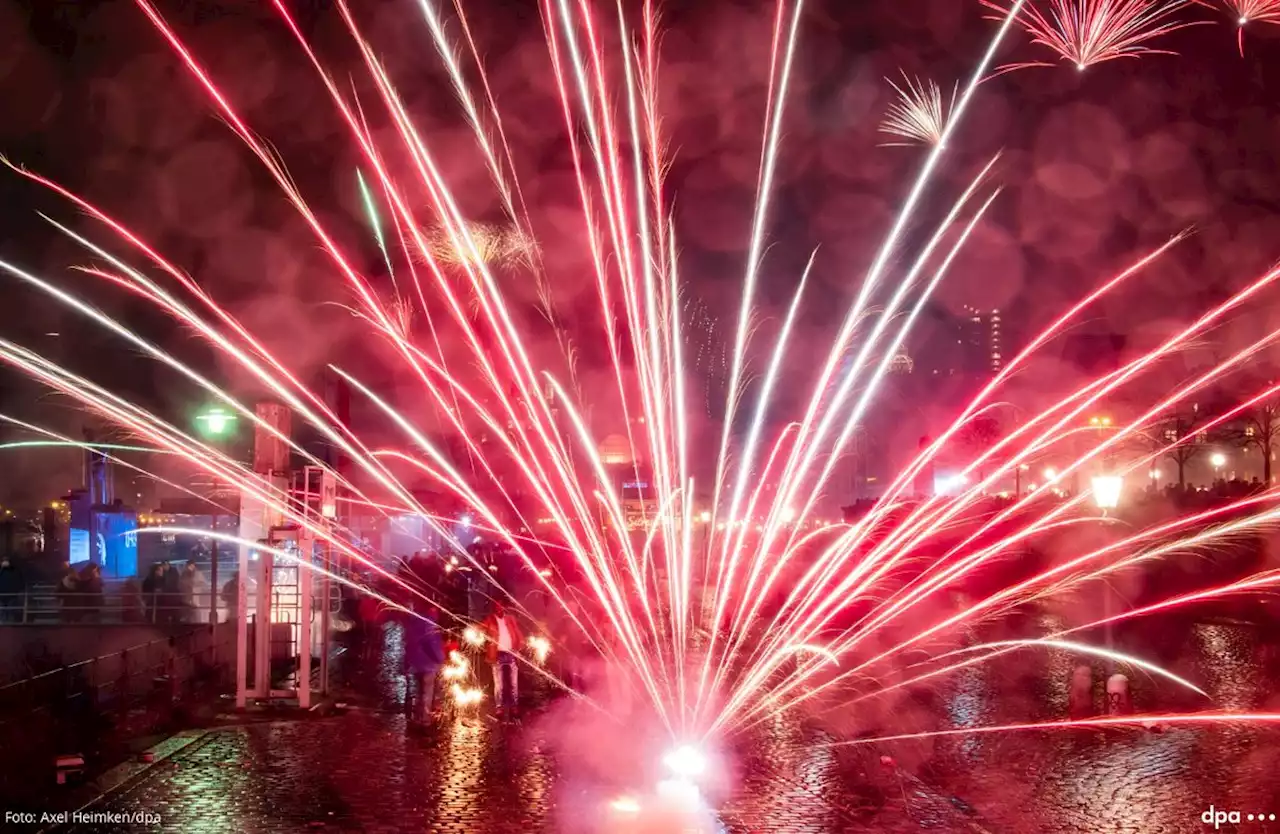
[
  {"x": 82, "y": 706},
  {"x": 50, "y": 605},
  {"x": 117, "y": 679},
  {"x": 96, "y": 705}
]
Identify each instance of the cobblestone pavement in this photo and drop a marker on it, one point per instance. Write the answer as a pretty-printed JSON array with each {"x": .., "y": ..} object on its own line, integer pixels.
[
  {"x": 360, "y": 771},
  {"x": 1117, "y": 780}
]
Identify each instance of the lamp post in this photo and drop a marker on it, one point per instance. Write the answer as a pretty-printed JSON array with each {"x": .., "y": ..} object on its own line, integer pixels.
[
  {"x": 1099, "y": 424},
  {"x": 218, "y": 425},
  {"x": 1106, "y": 495},
  {"x": 1218, "y": 460},
  {"x": 1106, "y": 491}
]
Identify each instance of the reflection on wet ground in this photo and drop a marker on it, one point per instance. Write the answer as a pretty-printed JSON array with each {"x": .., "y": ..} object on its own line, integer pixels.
[
  {"x": 362, "y": 771},
  {"x": 1140, "y": 780}
]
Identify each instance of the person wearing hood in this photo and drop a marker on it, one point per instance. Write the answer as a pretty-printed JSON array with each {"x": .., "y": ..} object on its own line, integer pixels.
[{"x": 423, "y": 657}]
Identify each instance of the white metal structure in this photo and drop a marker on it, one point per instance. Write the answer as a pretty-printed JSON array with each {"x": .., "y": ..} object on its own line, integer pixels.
[{"x": 284, "y": 605}]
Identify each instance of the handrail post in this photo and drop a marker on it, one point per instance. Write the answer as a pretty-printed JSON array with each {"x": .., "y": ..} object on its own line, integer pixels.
[{"x": 122, "y": 696}]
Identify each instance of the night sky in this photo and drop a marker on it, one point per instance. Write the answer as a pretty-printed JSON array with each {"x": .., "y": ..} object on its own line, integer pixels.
[{"x": 1097, "y": 168}]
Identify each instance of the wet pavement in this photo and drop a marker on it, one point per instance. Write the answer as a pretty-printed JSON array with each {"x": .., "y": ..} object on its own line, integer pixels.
[
  {"x": 361, "y": 771},
  {"x": 1145, "y": 781}
]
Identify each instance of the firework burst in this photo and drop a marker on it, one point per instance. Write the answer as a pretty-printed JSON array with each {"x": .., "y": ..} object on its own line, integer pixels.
[
  {"x": 481, "y": 243},
  {"x": 1244, "y": 12},
  {"x": 1088, "y": 32},
  {"x": 727, "y": 602},
  {"x": 920, "y": 113}
]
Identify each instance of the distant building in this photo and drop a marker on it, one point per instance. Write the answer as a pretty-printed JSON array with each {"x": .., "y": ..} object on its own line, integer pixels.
[
  {"x": 615, "y": 450},
  {"x": 982, "y": 341},
  {"x": 948, "y": 354}
]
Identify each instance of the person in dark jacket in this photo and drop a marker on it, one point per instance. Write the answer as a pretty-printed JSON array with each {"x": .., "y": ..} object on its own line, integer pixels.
[
  {"x": 231, "y": 597},
  {"x": 423, "y": 657},
  {"x": 131, "y": 601},
  {"x": 68, "y": 593},
  {"x": 171, "y": 596},
  {"x": 370, "y": 613},
  {"x": 151, "y": 588},
  {"x": 90, "y": 588}
]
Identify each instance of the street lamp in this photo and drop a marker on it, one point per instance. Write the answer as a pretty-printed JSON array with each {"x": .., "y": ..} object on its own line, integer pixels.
[
  {"x": 1106, "y": 491},
  {"x": 1106, "y": 494},
  {"x": 216, "y": 422},
  {"x": 1218, "y": 460}
]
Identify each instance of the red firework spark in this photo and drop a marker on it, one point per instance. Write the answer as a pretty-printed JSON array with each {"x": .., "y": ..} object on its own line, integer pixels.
[
  {"x": 777, "y": 580},
  {"x": 1244, "y": 12},
  {"x": 1088, "y": 32}
]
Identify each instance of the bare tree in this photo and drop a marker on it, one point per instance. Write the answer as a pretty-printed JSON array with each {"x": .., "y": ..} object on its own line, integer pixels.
[
  {"x": 978, "y": 435},
  {"x": 1260, "y": 429},
  {"x": 1177, "y": 434}
]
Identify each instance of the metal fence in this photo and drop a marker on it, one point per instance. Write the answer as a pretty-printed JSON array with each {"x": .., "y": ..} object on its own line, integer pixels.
[
  {"x": 167, "y": 665},
  {"x": 50, "y": 605},
  {"x": 96, "y": 705}
]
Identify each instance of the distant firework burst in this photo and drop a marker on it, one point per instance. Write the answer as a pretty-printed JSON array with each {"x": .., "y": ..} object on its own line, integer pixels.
[
  {"x": 731, "y": 602},
  {"x": 1245, "y": 12},
  {"x": 481, "y": 243},
  {"x": 919, "y": 115},
  {"x": 1088, "y": 32}
]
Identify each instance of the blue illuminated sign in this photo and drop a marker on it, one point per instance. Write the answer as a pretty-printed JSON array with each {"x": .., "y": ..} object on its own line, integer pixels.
[
  {"x": 116, "y": 542},
  {"x": 79, "y": 546}
]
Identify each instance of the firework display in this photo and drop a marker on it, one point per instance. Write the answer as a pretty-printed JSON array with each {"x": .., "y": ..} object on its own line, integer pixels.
[
  {"x": 1245, "y": 12},
  {"x": 1088, "y": 32},
  {"x": 726, "y": 603},
  {"x": 920, "y": 114}
]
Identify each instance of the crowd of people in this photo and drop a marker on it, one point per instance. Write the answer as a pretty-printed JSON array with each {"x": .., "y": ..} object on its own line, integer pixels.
[
  {"x": 495, "y": 640},
  {"x": 168, "y": 595}
]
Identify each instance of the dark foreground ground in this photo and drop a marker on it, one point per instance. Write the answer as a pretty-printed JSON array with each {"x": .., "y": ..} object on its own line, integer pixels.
[{"x": 359, "y": 770}]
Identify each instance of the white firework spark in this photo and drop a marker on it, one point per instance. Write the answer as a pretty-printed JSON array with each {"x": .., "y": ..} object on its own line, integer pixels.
[
  {"x": 1245, "y": 12},
  {"x": 920, "y": 114}
]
